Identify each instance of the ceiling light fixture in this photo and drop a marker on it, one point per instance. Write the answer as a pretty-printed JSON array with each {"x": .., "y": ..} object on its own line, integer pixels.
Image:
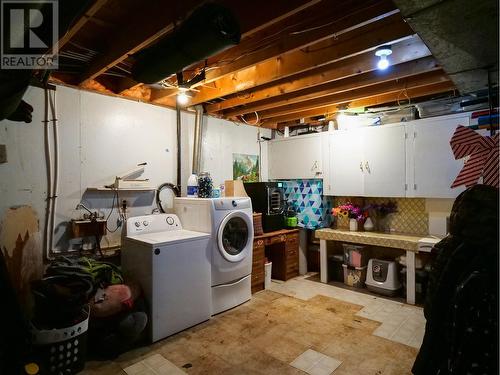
[
  {"x": 383, "y": 52},
  {"x": 182, "y": 97}
]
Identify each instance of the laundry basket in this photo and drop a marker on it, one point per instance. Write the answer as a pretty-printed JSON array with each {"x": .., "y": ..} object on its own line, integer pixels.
[{"x": 62, "y": 350}]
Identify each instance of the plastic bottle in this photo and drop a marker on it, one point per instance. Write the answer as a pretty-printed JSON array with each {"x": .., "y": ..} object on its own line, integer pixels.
[{"x": 192, "y": 186}]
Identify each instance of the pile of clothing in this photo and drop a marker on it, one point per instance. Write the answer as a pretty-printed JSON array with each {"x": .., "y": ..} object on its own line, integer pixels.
[{"x": 117, "y": 309}]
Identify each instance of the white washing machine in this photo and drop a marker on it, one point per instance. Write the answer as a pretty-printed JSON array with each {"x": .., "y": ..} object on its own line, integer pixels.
[
  {"x": 172, "y": 265},
  {"x": 230, "y": 223}
]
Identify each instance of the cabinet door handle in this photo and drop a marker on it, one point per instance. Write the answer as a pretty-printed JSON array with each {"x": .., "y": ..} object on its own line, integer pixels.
[
  {"x": 367, "y": 167},
  {"x": 314, "y": 166},
  {"x": 361, "y": 166}
]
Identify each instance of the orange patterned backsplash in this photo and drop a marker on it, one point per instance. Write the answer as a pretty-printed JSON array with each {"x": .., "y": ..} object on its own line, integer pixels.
[{"x": 411, "y": 217}]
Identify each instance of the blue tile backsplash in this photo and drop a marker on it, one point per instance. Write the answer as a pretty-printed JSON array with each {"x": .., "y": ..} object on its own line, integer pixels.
[{"x": 313, "y": 209}]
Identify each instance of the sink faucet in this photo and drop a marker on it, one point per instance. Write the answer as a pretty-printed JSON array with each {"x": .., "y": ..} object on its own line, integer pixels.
[{"x": 93, "y": 215}]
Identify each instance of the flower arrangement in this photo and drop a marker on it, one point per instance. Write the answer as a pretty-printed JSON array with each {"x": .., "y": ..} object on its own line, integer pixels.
[
  {"x": 384, "y": 209},
  {"x": 351, "y": 211}
]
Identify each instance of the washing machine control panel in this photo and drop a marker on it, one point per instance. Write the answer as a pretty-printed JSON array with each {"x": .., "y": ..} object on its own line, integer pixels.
[
  {"x": 232, "y": 203},
  {"x": 153, "y": 223}
]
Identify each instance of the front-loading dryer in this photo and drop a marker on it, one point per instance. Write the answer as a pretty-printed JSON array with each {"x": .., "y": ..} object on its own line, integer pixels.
[{"x": 230, "y": 224}]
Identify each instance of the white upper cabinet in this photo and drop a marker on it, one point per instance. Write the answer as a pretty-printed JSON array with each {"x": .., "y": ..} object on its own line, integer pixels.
[
  {"x": 409, "y": 159},
  {"x": 431, "y": 163},
  {"x": 384, "y": 161},
  {"x": 368, "y": 161},
  {"x": 346, "y": 163},
  {"x": 296, "y": 157}
]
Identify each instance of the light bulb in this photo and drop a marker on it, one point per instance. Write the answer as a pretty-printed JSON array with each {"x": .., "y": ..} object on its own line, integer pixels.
[
  {"x": 182, "y": 98},
  {"x": 383, "y": 63}
]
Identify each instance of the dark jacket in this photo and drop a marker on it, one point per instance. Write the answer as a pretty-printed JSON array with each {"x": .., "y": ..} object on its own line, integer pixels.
[{"x": 461, "y": 335}]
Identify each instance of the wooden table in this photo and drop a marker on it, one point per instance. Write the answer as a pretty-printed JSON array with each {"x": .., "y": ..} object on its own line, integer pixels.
[
  {"x": 409, "y": 243},
  {"x": 282, "y": 249}
]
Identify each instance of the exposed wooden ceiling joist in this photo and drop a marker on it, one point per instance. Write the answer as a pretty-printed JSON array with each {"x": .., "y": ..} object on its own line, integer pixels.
[
  {"x": 80, "y": 22},
  {"x": 404, "y": 51},
  {"x": 389, "y": 30},
  {"x": 310, "y": 26},
  {"x": 360, "y": 93},
  {"x": 410, "y": 93},
  {"x": 145, "y": 29},
  {"x": 298, "y": 58},
  {"x": 396, "y": 72},
  {"x": 157, "y": 20},
  {"x": 159, "y": 95}
]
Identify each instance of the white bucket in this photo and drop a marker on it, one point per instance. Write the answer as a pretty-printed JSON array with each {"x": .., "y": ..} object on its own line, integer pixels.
[{"x": 267, "y": 275}]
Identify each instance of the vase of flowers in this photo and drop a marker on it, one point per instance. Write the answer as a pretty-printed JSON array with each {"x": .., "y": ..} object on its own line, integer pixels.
[
  {"x": 354, "y": 212},
  {"x": 382, "y": 215}
]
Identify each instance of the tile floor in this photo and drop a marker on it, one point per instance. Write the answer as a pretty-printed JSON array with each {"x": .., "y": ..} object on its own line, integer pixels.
[
  {"x": 315, "y": 363},
  {"x": 297, "y": 327},
  {"x": 400, "y": 322},
  {"x": 154, "y": 365}
]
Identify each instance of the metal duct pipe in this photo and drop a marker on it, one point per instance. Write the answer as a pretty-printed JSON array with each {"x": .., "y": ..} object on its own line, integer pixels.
[
  {"x": 198, "y": 118},
  {"x": 178, "y": 113}
]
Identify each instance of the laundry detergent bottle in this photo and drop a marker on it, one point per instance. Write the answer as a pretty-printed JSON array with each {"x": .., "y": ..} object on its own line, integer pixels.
[{"x": 192, "y": 186}]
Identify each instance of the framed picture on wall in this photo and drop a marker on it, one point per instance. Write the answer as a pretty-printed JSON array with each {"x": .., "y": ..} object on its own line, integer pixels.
[{"x": 246, "y": 167}]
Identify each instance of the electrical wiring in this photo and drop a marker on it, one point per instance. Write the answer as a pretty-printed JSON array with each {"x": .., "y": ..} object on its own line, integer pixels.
[
  {"x": 399, "y": 95},
  {"x": 90, "y": 51},
  {"x": 115, "y": 196},
  {"x": 117, "y": 66},
  {"x": 272, "y": 39},
  {"x": 257, "y": 119},
  {"x": 277, "y": 36}
]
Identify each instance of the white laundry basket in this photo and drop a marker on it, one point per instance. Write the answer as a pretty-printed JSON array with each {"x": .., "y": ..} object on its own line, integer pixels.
[{"x": 267, "y": 274}]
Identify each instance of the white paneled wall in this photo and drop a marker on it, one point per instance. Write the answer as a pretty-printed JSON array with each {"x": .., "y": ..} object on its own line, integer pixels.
[
  {"x": 102, "y": 136},
  {"x": 221, "y": 139}
]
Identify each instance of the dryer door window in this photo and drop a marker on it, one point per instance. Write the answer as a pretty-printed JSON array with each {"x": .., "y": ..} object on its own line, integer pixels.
[{"x": 234, "y": 236}]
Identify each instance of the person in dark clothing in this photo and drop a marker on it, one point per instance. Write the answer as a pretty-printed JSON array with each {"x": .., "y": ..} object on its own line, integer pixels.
[{"x": 461, "y": 333}]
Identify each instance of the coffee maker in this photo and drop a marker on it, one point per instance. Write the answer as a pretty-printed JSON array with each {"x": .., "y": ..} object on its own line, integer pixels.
[{"x": 268, "y": 199}]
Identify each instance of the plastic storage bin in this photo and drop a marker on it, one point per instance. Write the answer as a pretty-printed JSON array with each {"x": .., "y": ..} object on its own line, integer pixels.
[
  {"x": 382, "y": 277},
  {"x": 354, "y": 276},
  {"x": 355, "y": 255},
  {"x": 335, "y": 270}
]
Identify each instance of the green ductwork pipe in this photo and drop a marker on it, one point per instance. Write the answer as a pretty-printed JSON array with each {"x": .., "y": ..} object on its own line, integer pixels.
[{"x": 210, "y": 29}]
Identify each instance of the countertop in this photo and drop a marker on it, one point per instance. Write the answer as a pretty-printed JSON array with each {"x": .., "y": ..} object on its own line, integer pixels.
[
  {"x": 398, "y": 241},
  {"x": 276, "y": 233}
]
